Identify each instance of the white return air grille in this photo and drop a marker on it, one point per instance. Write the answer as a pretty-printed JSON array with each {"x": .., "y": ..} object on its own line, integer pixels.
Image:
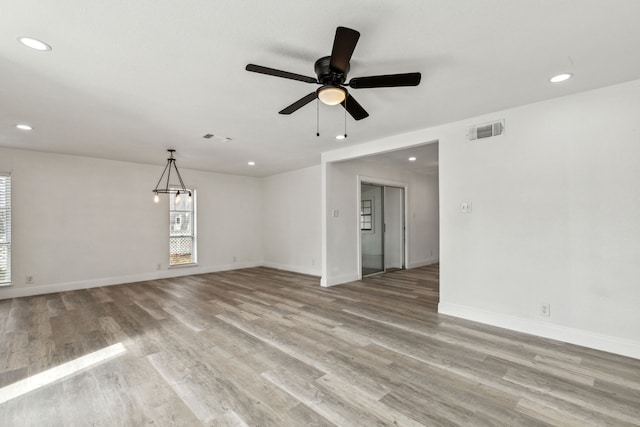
[{"x": 486, "y": 130}]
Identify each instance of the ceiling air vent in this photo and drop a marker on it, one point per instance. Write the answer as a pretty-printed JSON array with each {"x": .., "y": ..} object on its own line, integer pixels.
[
  {"x": 486, "y": 130},
  {"x": 216, "y": 138}
]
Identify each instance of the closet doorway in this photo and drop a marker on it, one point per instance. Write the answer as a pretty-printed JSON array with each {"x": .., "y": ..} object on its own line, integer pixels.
[{"x": 382, "y": 228}]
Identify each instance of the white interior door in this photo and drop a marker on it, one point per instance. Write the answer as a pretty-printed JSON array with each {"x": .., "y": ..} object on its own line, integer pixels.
[{"x": 394, "y": 227}]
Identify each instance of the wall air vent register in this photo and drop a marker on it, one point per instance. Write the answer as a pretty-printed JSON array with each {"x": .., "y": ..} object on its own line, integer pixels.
[{"x": 486, "y": 130}]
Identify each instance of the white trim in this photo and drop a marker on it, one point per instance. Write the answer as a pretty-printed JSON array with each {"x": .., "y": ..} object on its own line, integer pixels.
[
  {"x": 422, "y": 263},
  {"x": 358, "y": 231},
  {"x": 339, "y": 280},
  {"x": 310, "y": 271},
  {"x": 323, "y": 226},
  {"x": 187, "y": 265},
  {"x": 580, "y": 337},
  {"x": 17, "y": 292},
  {"x": 379, "y": 181}
]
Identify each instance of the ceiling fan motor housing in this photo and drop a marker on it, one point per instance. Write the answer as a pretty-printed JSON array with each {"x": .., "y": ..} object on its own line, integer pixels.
[{"x": 327, "y": 75}]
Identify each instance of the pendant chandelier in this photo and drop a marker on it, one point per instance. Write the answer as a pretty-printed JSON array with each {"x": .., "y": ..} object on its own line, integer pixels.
[{"x": 171, "y": 164}]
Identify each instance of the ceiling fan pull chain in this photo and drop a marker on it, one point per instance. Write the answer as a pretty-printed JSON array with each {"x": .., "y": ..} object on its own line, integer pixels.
[
  {"x": 317, "y": 117},
  {"x": 345, "y": 116}
]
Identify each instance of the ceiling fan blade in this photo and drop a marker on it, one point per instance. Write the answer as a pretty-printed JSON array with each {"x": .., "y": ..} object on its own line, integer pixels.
[
  {"x": 279, "y": 73},
  {"x": 344, "y": 44},
  {"x": 299, "y": 104},
  {"x": 389, "y": 80},
  {"x": 355, "y": 109}
]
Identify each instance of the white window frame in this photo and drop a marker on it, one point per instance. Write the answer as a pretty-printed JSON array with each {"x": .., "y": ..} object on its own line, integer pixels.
[
  {"x": 5, "y": 210},
  {"x": 194, "y": 245}
]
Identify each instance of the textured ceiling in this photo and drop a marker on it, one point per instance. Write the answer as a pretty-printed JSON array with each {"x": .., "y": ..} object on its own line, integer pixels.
[{"x": 127, "y": 80}]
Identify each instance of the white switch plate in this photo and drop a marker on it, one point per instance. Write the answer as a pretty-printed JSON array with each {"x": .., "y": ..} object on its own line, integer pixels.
[
  {"x": 465, "y": 207},
  {"x": 335, "y": 213}
]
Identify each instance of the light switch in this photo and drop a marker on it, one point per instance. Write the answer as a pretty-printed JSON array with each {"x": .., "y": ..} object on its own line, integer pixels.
[{"x": 335, "y": 213}]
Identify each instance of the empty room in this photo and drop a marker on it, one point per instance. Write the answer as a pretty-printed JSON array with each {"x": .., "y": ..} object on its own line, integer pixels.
[{"x": 286, "y": 213}]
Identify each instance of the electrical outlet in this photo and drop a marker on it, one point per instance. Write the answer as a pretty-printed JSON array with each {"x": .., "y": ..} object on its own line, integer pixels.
[
  {"x": 465, "y": 207},
  {"x": 159, "y": 266},
  {"x": 545, "y": 310},
  {"x": 234, "y": 258},
  {"x": 29, "y": 279}
]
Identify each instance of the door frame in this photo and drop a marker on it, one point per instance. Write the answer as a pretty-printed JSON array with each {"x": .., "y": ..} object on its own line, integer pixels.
[{"x": 385, "y": 183}]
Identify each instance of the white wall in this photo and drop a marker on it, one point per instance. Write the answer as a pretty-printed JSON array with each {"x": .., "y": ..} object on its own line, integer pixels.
[
  {"x": 556, "y": 220},
  {"x": 341, "y": 246},
  {"x": 81, "y": 222},
  {"x": 291, "y": 221},
  {"x": 556, "y": 217}
]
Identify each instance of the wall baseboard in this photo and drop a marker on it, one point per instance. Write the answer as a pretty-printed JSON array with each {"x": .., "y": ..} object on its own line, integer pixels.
[
  {"x": 338, "y": 280},
  {"x": 579, "y": 337},
  {"x": 422, "y": 263},
  {"x": 310, "y": 271},
  {"x": 27, "y": 291}
]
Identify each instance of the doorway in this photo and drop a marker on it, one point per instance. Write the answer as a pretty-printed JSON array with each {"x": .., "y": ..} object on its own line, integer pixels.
[{"x": 382, "y": 228}]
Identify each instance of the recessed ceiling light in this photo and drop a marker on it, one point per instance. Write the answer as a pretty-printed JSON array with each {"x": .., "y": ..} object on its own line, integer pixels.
[
  {"x": 560, "y": 77},
  {"x": 412, "y": 159},
  {"x": 341, "y": 136},
  {"x": 34, "y": 43},
  {"x": 251, "y": 163},
  {"x": 22, "y": 126}
]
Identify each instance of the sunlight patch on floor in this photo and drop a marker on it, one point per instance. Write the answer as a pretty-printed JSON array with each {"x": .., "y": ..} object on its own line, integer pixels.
[{"x": 65, "y": 370}]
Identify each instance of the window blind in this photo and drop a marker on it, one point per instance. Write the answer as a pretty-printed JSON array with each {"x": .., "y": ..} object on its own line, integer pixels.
[{"x": 5, "y": 229}]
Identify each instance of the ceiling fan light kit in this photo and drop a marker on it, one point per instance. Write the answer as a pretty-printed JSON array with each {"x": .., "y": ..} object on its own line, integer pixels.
[
  {"x": 332, "y": 73},
  {"x": 331, "y": 95}
]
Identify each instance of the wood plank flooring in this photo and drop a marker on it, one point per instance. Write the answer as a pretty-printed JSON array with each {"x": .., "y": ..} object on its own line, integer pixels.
[{"x": 263, "y": 347}]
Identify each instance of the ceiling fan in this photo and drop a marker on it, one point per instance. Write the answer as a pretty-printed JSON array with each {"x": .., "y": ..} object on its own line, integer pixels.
[{"x": 332, "y": 75}]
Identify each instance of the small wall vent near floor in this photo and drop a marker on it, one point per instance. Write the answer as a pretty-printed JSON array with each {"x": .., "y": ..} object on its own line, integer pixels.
[{"x": 486, "y": 130}]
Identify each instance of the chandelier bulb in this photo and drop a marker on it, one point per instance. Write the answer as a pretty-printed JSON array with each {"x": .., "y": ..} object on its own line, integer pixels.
[
  {"x": 177, "y": 197},
  {"x": 156, "y": 198}
]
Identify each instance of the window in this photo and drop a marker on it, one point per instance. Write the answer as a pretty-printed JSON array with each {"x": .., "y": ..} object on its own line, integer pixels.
[
  {"x": 366, "y": 215},
  {"x": 5, "y": 229},
  {"x": 182, "y": 229}
]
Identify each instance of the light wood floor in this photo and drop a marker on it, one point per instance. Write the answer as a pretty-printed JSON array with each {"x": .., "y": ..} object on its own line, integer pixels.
[{"x": 264, "y": 347}]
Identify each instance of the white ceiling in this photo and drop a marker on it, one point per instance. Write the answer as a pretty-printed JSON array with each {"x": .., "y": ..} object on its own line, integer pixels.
[{"x": 128, "y": 79}]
